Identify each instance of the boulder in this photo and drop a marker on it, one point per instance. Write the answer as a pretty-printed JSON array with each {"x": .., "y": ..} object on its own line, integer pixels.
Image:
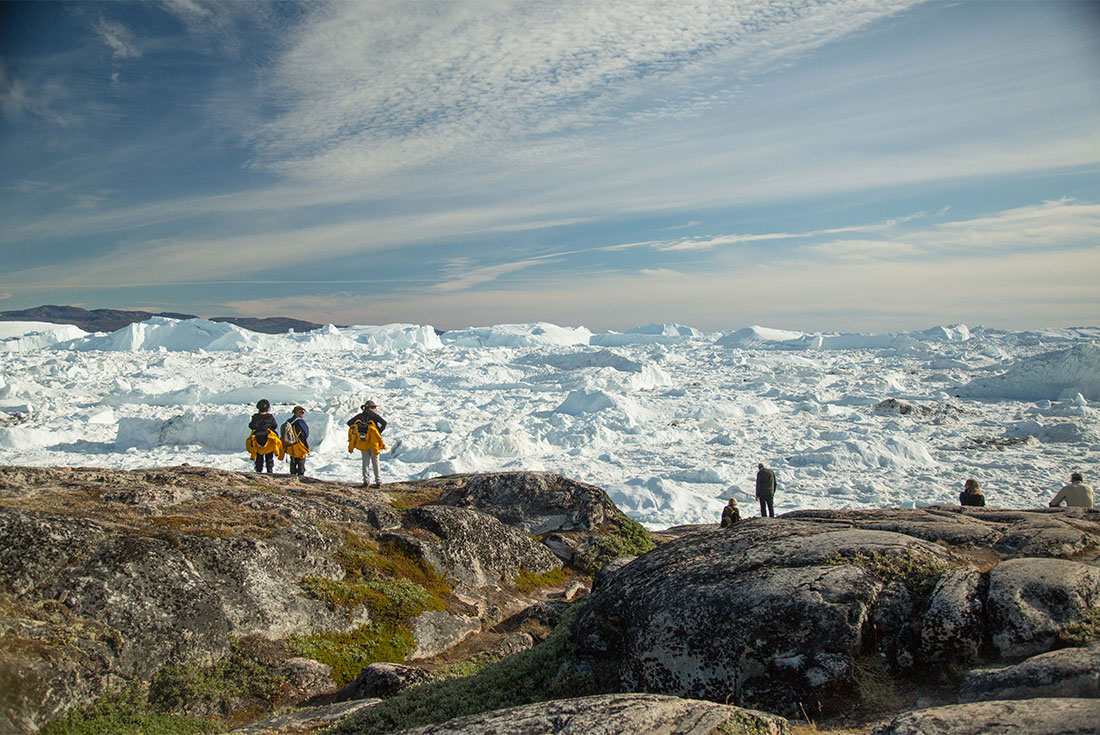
[
  {"x": 307, "y": 677},
  {"x": 616, "y": 714},
  {"x": 1032, "y": 601},
  {"x": 475, "y": 548},
  {"x": 1069, "y": 672},
  {"x": 535, "y": 502},
  {"x": 381, "y": 680},
  {"x": 306, "y": 720},
  {"x": 435, "y": 632},
  {"x": 1031, "y": 716}
]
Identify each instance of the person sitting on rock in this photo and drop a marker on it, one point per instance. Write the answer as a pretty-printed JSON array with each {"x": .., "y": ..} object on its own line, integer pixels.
[
  {"x": 366, "y": 435},
  {"x": 264, "y": 436},
  {"x": 730, "y": 514},
  {"x": 1076, "y": 494},
  {"x": 972, "y": 494}
]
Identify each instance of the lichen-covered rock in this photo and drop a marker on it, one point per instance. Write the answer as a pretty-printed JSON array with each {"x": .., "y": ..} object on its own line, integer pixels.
[
  {"x": 309, "y": 720},
  {"x": 1031, "y": 601},
  {"x": 381, "y": 680},
  {"x": 307, "y": 677},
  {"x": 1031, "y": 716},
  {"x": 954, "y": 622},
  {"x": 1069, "y": 672},
  {"x": 475, "y": 547},
  {"x": 536, "y": 502},
  {"x": 436, "y": 631},
  {"x": 766, "y": 615},
  {"x": 617, "y": 714}
]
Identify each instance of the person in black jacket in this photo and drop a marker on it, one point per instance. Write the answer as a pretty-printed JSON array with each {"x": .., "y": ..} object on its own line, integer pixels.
[
  {"x": 361, "y": 420},
  {"x": 765, "y": 490},
  {"x": 261, "y": 423},
  {"x": 730, "y": 514},
  {"x": 972, "y": 494}
]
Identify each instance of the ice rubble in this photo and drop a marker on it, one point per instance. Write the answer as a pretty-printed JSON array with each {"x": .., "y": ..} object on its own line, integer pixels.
[{"x": 669, "y": 420}]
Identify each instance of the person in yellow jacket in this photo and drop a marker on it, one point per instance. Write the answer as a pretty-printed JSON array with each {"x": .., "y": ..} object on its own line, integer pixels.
[
  {"x": 263, "y": 443},
  {"x": 365, "y": 434},
  {"x": 296, "y": 441}
]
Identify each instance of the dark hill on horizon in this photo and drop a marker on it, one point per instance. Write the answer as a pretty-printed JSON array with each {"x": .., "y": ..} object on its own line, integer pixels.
[{"x": 108, "y": 320}]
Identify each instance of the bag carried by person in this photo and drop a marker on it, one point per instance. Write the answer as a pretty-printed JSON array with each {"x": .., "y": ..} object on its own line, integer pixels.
[{"x": 289, "y": 433}]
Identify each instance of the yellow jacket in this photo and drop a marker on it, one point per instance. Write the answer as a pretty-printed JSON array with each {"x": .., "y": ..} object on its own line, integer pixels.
[
  {"x": 371, "y": 441},
  {"x": 271, "y": 446},
  {"x": 296, "y": 450}
]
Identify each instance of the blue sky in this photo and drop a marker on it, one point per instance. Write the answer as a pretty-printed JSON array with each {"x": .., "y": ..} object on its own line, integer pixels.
[{"x": 850, "y": 165}]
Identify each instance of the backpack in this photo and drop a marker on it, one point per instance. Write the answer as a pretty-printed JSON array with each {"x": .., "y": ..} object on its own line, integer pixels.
[{"x": 289, "y": 434}]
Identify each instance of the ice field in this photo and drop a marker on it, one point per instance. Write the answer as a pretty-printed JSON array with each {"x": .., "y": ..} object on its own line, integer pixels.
[{"x": 669, "y": 420}]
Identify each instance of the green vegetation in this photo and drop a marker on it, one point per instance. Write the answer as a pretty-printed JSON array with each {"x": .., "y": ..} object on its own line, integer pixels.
[
  {"x": 125, "y": 713},
  {"x": 623, "y": 537},
  {"x": 528, "y": 581},
  {"x": 918, "y": 573},
  {"x": 1084, "y": 632},
  {"x": 393, "y": 585},
  {"x": 348, "y": 653},
  {"x": 535, "y": 675},
  {"x": 226, "y": 685}
]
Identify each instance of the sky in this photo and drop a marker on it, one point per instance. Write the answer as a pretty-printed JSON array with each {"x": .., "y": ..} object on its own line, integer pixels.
[{"x": 844, "y": 165}]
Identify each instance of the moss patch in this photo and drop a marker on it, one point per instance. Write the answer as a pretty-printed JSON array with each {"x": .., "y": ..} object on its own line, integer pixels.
[
  {"x": 1084, "y": 632},
  {"x": 347, "y": 653},
  {"x": 622, "y": 537},
  {"x": 535, "y": 675},
  {"x": 528, "y": 581},
  {"x": 918, "y": 573},
  {"x": 125, "y": 713}
]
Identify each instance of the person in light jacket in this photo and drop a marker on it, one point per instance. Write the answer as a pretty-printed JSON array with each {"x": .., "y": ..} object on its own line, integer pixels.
[{"x": 362, "y": 421}]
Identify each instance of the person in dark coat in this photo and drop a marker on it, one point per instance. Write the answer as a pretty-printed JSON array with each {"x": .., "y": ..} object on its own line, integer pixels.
[
  {"x": 765, "y": 490},
  {"x": 730, "y": 514},
  {"x": 301, "y": 428},
  {"x": 361, "y": 420},
  {"x": 972, "y": 494},
  {"x": 261, "y": 423}
]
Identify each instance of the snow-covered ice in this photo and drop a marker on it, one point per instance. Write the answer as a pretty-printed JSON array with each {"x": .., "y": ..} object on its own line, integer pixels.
[{"x": 671, "y": 421}]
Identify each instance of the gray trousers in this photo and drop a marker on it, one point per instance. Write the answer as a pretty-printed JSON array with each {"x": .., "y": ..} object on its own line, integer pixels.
[{"x": 372, "y": 458}]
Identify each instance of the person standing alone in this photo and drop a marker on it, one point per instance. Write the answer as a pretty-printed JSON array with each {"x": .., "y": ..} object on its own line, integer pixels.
[
  {"x": 765, "y": 490},
  {"x": 367, "y": 427}
]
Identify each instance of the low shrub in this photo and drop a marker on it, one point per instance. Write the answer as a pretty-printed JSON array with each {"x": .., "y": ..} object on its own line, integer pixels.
[
  {"x": 125, "y": 712},
  {"x": 347, "y": 653},
  {"x": 622, "y": 537},
  {"x": 527, "y": 581}
]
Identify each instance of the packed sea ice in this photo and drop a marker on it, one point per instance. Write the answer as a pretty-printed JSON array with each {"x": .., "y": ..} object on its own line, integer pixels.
[{"x": 669, "y": 420}]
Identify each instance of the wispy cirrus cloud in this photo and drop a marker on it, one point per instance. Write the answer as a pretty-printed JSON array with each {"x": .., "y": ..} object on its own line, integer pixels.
[
  {"x": 368, "y": 88},
  {"x": 118, "y": 37}
]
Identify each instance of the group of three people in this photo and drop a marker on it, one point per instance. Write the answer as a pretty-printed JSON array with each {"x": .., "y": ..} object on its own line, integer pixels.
[{"x": 364, "y": 433}]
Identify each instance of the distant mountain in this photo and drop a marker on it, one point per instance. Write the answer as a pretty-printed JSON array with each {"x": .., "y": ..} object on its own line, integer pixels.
[{"x": 108, "y": 320}]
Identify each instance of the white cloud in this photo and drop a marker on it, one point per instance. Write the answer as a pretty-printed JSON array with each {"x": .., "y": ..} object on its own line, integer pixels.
[{"x": 118, "y": 37}]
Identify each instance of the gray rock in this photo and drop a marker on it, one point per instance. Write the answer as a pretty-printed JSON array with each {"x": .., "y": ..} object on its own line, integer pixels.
[
  {"x": 1031, "y": 601},
  {"x": 1030, "y": 716},
  {"x": 436, "y": 631},
  {"x": 1069, "y": 672},
  {"x": 535, "y": 502},
  {"x": 514, "y": 643},
  {"x": 475, "y": 547},
  {"x": 306, "y": 720},
  {"x": 1052, "y": 536},
  {"x": 573, "y": 591},
  {"x": 564, "y": 548},
  {"x": 381, "y": 680},
  {"x": 307, "y": 677},
  {"x": 616, "y": 714},
  {"x": 954, "y": 622}
]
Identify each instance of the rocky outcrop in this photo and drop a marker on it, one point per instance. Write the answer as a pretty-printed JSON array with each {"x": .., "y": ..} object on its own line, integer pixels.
[
  {"x": 1031, "y": 716},
  {"x": 1069, "y": 672},
  {"x": 314, "y": 719},
  {"x": 774, "y": 612},
  {"x": 535, "y": 502},
  {"x": 618, "y": 714},
  {"x": 381, "y": 680},
  {"x": 110, "y": 576}
]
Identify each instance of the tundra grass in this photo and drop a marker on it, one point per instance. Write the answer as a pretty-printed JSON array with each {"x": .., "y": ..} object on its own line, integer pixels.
[
  {"x": 126, "y": 712},
  {"x": 527, "y": 581},
  {"x": 622, "y": 537}
]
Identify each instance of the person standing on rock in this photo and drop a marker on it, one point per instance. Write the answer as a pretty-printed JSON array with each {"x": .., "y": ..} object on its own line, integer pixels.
[
  {"x": 972, "y": 494},
  {"x": 365, "y": 434},
  {"x": 1076, "y": 494},
  {"x": 765, "y": 490},
  {"x": 298, "y": 449},
  {"x": 264, "y": 440},
  {"x": 730, "y": 514}
]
